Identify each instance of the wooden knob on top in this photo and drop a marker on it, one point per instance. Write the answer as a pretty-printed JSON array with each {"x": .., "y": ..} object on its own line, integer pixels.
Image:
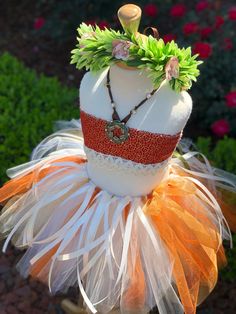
[{"x": 130, "y": 16}]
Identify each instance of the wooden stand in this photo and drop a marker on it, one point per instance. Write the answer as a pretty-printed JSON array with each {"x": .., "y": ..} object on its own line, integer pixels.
[
  {"x": 129, "y": 16},
  {"x": 72, "y": 308}
]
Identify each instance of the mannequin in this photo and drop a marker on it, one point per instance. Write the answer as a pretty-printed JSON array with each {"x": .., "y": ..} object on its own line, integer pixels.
[{"x": 166, "y": 112}]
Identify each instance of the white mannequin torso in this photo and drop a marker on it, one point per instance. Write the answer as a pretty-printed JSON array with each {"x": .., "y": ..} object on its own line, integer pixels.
[{"x": 166, "y": 112}]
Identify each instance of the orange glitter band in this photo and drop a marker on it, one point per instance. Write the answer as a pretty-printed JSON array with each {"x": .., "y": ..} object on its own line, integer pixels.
[{"x": 141, "y": 147}]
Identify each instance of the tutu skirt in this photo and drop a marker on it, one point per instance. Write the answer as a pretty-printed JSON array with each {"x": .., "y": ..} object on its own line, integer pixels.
[{"x": 163, "y": 249}]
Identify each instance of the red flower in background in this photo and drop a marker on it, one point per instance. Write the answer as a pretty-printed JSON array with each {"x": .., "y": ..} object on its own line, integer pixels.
[
  {"x": 190, "y": 28},
  {"x": 203, "y": 49},
  {"x": 219, "y": 21},
  {"x": 151, "y": 10},
  {"x": 232, "y": 13},
  {"x": 39, "y": 23},
  {"x": 228, "y": 44},
  {"x": 220, "y": 127},
  {"x": 178, "y": 10},
  {"x": 202, "y": 5},
  {"x": 103, "y": 24},
  {"x": 91, "y": 22},
  {"x": 168, "y": 38},
  {"x": 206, "y": 32},
  {"x": 231, "y": 99}
]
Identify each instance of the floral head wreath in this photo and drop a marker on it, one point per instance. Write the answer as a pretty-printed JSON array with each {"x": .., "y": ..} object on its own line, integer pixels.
[{"x": 98, "y": 49}]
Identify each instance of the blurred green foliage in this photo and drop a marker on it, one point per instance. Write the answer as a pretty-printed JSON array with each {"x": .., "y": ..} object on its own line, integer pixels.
[
  {"x": 29, "y": 105},
  {"x": 221, "y": 154}
]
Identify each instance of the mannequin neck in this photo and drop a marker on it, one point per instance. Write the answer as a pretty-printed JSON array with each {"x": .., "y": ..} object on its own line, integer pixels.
[{"x": 131, "y": 81}]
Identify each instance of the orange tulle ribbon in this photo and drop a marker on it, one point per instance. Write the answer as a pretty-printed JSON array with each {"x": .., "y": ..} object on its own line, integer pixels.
[
  {"x": 22, "y": 184},
  {"x": 192, "y": 240}
]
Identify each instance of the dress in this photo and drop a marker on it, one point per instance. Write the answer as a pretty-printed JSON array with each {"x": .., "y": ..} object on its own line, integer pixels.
[{"x": 134, "y": 252}]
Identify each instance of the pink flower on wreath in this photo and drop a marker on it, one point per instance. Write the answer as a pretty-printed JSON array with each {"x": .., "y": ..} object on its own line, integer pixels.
[
  {"x": 178, "y": 10},
  {"x": 203, "y": 49},
  {"x": 202, "y": 5},
  {"x": 87, "y": 35},
  {"x": 168, "y": 38},
  {"x": 232, "y": 13},
  {"x": 172, "y": 68},
  {"x": 120, "y": 49},
  {"x": 39, "y": 23},
  {"x": 219, "y": 21},
  {"x": 231, "y": 99},
  {"x": 151, "y": 10},
  {"x": 206, "y": 32},
  {"x": 228, "y": 44},
  {"x": 220, "y": 127},
  {"x": 190, "y": 28}
]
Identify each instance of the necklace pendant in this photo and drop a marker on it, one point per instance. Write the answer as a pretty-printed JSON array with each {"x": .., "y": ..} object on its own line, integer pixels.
[{"x": 117, "y": 131}]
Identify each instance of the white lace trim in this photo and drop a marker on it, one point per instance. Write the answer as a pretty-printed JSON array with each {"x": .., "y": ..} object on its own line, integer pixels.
[{"x": 118, "y": 163}]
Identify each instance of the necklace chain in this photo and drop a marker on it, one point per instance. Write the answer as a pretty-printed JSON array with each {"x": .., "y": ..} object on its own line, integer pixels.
[
  {"x": 117, "y": 130},
  {"x": 115, "y": 115}
]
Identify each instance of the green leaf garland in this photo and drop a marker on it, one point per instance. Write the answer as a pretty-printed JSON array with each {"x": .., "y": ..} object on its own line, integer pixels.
[{"x": 94, "y": 52}]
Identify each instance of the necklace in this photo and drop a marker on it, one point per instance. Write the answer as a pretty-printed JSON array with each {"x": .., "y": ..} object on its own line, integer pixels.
[{"x": 117, "y": 129}]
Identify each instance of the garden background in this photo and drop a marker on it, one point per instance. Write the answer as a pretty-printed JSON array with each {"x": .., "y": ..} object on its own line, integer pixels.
[{"x": 39, "y": 86}]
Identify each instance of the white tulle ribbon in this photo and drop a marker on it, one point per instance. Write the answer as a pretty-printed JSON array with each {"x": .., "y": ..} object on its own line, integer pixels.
[
  {"x": 87, "y": 190},
  {"x": 84, "y": 295},
  {"x": 91, "y": 243},
  {"x": 29, "y": 214},
  {"x": 72, "y": 223},
  {"x": 126, "y": 239},
  {"x": 207, "y": 171},
  {"x": 68, "y": 142},
  {"x": 100, "y": 239},
  {"x": 60, "y": 142}
]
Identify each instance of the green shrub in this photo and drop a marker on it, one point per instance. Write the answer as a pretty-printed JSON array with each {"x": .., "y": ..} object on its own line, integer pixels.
[
  {"x": 29, "y": 106},
  {"x": 222, "y": 155}
]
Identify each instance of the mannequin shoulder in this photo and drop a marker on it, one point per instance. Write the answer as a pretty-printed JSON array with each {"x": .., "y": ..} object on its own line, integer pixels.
[
  {"x": 176, "y": 101},
  {"x": 92, "y": 89},
  {"x": 169, "y": 111},
  {"x": 183, "y": 107},
  {"x": 92, "y": 81}
]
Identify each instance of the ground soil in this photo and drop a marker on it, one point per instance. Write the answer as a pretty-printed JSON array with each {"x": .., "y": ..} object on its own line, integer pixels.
[{"x": 28, "y": 296}]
